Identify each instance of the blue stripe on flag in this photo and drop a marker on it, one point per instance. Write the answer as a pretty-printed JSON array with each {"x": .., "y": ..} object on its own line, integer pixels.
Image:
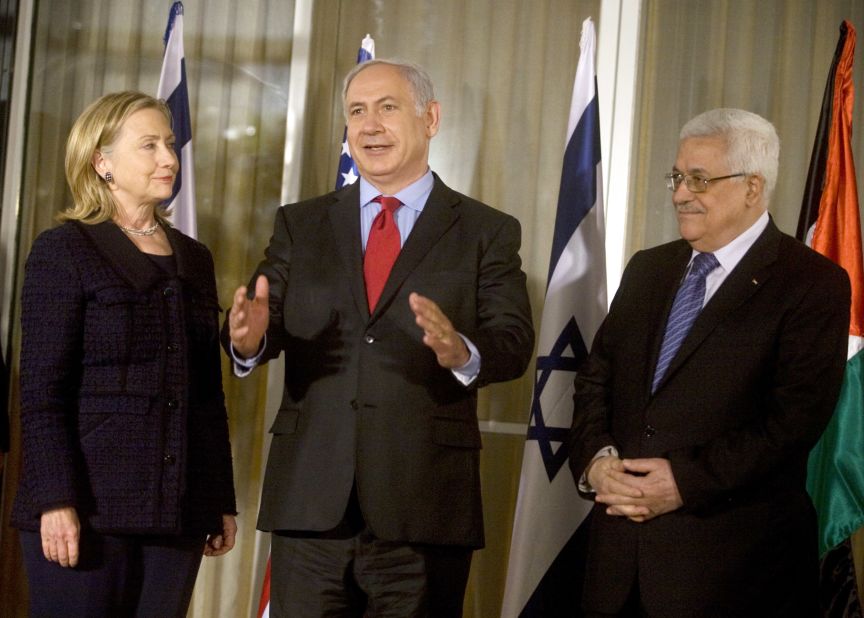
[
  {"x": 178, "y": 103},
  {"x": 176, "y": 9},
  {"x": 173, "y": 88},
  {"x": 578, "y": 192}
]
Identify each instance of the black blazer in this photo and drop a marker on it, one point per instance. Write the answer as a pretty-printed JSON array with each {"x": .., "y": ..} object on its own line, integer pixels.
[
  {"x": 746, "y": 398},
  {"x": 364, "y": 399},
  {"x": 122, "y": 410},
  {"x": 4, "y": 402}
]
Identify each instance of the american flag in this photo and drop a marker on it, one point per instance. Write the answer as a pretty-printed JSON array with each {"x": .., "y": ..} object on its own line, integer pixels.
[{"x": 347, "y": 174}]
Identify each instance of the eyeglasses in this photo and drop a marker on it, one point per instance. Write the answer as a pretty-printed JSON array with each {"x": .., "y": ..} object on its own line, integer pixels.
[{"x": 694, "y": 184}]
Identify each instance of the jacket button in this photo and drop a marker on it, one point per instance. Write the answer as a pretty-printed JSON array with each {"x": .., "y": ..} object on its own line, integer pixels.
[
  {"x": 354, "y": 404},
  {"x": 169, "y": 459},
  {"x": 172, "y": 347},
  {"x": 650, "y": 431},
  {"x": 369, "y": 339},
  {"x": 168, "y": 292},
  {"x": 172, "y": 403}
]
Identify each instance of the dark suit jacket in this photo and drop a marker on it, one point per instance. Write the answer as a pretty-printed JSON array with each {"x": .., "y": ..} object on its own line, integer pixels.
[
  {"x": 4, "y": 402},
  {"x": 364, "y": 398},
  {"x": 122, "y": 411},
  {"x": 746, "y": 398}
]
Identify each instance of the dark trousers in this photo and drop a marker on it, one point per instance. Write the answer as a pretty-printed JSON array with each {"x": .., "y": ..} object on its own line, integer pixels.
[
  {"x": 117, "y": 576},
  {"x": 632, "y": 607},
  {"x": 347, "y": 572}
]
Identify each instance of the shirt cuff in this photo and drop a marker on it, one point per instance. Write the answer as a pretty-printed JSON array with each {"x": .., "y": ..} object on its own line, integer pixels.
[
  {"x": 606, "y": 451},
  {"x": 468, "y": 372},
  {"x": 242, "y": 367}
]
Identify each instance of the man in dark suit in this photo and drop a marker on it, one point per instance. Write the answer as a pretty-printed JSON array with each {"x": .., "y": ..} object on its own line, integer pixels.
[
  {"x": 694, "y": 437},
  {"x": 372, "y": 486}
]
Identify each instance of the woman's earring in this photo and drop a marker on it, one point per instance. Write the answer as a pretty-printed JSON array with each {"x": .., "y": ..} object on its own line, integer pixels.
[{"x": 109, "y": 178}]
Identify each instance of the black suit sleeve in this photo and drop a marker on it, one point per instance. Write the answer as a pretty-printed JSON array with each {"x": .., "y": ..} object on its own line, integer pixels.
[
  {"x": 4, "y": 411},
  {"x": 591, "y": 396},
  {"x": 52, "y": 318},
  {"x": 505, "y": 333},
  {"x": 276, "y": 266}
]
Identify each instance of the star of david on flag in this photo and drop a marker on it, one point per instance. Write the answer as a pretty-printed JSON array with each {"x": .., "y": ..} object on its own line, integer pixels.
[
  {"x": 348, "y": 174},
  {"x": 566, "y": 354},
  {"x": 546, "y": 548}
]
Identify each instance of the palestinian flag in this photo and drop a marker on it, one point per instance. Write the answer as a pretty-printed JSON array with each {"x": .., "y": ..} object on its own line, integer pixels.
[{"x": 830, "y": 224}]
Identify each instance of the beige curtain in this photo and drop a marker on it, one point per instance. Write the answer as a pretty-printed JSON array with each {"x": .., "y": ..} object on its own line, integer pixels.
[
  {"x": 503, "y": 71},
  {"x": 771, "y": 57}
]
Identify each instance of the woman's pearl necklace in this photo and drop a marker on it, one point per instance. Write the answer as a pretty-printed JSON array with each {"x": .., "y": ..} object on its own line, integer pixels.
[{"x": 148, "y": 231}]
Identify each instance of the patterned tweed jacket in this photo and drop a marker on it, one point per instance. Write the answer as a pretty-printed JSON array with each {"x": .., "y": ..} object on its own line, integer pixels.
[{"x": 122, "y": 411}]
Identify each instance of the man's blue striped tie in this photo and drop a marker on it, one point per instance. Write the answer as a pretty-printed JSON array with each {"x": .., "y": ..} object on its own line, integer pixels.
[{"x": 686, "y": 306}]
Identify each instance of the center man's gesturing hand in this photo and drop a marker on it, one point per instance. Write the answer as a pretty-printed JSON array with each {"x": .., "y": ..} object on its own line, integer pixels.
[
  {"x": 249, "y": 318},
  {"x": 438, "y": 332}
]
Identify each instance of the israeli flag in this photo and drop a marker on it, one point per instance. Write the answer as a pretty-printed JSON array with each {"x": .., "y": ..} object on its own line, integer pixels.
[
  {"x": 547, "y": 547},
  {"x": 173, "y": 88}
]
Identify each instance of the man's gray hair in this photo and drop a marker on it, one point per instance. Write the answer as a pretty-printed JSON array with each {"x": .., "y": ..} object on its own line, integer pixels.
[
  {"x": 752, "y": 144},
  {"x": 414, "y": 74}
]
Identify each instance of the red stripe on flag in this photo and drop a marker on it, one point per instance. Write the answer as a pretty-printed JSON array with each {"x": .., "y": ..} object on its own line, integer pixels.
[
  {"x": 838, "y": 229},
  {"x": 265, "y": 591}
]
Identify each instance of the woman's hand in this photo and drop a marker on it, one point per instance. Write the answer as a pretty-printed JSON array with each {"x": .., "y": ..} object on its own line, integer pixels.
[
  {"x": 61, "y": 532},
  {"x": 218, "y": 544}
]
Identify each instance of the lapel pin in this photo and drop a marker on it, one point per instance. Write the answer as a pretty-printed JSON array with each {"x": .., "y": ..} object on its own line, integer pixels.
[{"x": 755, "y": 282}]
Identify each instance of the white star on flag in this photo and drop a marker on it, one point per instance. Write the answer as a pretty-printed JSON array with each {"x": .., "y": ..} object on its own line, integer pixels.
[{"x": 350, "y": 178}]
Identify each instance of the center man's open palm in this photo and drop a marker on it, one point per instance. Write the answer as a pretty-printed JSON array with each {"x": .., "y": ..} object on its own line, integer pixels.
[{"x": 249, "y": 318}]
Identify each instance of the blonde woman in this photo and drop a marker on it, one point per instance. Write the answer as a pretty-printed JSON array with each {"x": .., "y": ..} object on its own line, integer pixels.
[{"x": 127, "y": 475}]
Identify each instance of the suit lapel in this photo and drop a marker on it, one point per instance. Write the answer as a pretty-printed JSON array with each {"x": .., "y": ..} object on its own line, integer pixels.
[
  {"x": 125, "y": 258},
  {"x": 186, "y": 267},
  {"x": 659, "y": 304},
  {"x": 344, "y": 214},
  {"x": 754, "y": 269},
  {"x": 439, "y": 214}
]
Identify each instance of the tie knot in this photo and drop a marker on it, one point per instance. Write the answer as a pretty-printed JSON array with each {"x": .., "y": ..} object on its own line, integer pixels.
[
  {"x": 703, "y": 264},
  {"x": 388, "y": 203}
]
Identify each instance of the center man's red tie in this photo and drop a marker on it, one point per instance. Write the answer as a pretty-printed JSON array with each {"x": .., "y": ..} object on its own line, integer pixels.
[{"x": 382, "y": 249}]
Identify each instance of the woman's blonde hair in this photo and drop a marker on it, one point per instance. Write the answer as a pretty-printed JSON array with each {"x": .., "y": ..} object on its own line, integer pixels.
[{"x": 97, "y": 128}]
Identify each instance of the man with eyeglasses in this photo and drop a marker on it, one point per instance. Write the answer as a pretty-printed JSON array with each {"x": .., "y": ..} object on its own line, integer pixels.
[{"x": 714, "y": 374}]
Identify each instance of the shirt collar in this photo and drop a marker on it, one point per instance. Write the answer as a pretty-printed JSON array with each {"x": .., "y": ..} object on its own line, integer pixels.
[
  {"x": 413, "y": 196},
  {"x": 731, "y": 254}
]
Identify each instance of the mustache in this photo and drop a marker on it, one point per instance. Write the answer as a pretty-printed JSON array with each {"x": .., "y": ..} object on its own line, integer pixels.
[{"x": 689, "y": 209}]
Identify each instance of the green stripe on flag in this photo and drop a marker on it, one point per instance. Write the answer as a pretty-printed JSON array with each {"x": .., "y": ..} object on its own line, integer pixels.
[{"x": 835, "y": 471}]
